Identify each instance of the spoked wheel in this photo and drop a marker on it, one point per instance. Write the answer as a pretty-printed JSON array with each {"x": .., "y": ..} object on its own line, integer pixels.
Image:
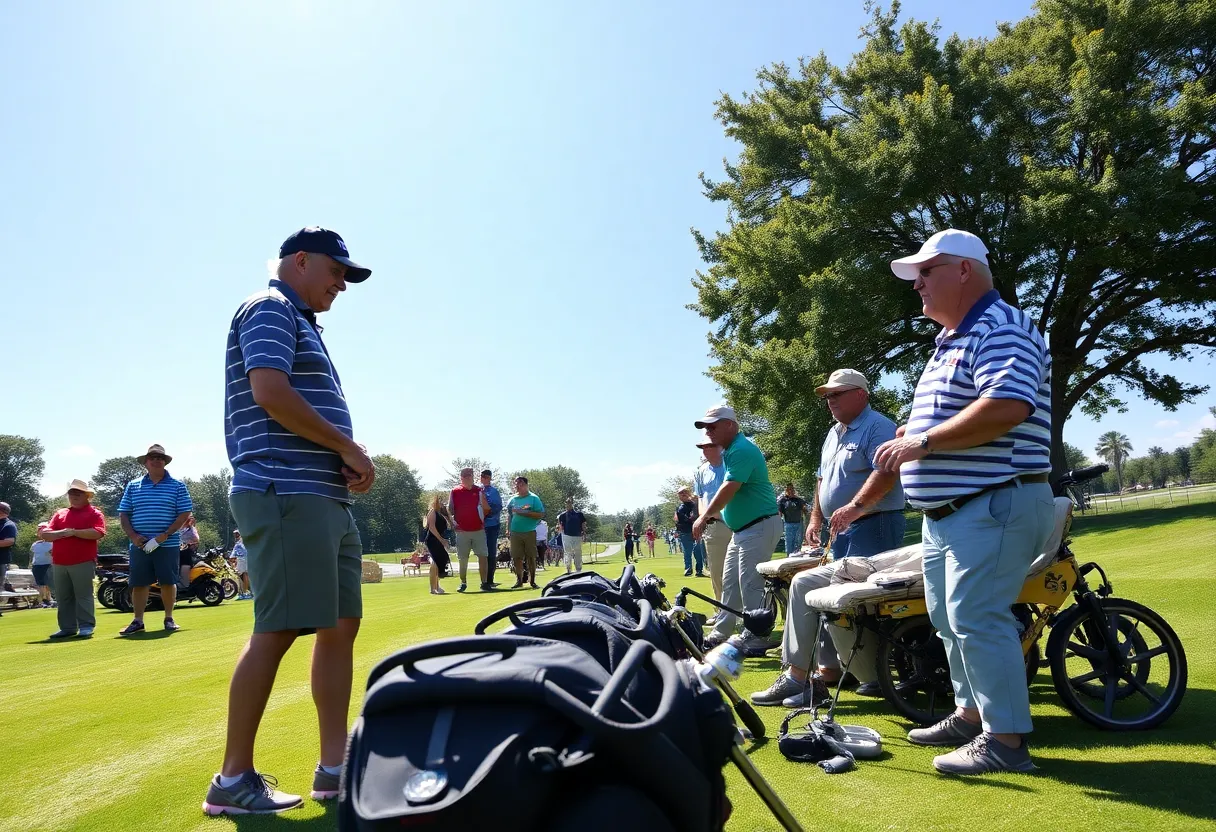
[
  {"x": 1123, "y": 671},
  {"x": 230, "y": 588},
  {"x": 105, "y": 594},
  {"x": 210, "y": 593},
  {"x": 122, "y": 599},
  {"x": 913, "y": 673}
]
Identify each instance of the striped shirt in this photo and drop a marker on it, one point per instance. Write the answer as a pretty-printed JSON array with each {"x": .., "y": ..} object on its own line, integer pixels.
[
  {"x": 276, "y": 329},
  {"x": 154, "y": 506},
  {"x": 996, "y": 353}
]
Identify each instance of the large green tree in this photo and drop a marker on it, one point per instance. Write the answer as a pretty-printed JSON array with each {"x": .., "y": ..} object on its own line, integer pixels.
[
  {"x": 21, "y": 467},
  {"x": 388, "y": 515},
  {"x": 209, "y": 493},
  {"x": 1078, "y": 144},
  {"x": 111, "y": 478}
]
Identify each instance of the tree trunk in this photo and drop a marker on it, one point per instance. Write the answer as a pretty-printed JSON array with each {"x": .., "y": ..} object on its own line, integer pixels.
[{"x": 1058, "y": 463}]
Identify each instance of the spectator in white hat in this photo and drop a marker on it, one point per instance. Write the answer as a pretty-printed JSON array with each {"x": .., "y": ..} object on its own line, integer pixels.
[
  {"x": 974, "y": 457},
  {"x": 73, "y": 533}
]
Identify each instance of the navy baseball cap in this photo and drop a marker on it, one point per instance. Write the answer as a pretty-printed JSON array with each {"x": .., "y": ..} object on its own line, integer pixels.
[{"x": 316, "y": 240}]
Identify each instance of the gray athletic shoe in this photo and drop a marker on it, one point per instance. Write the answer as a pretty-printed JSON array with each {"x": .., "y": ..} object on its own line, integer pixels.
[
  {"x": 785, "y": 685},
  {"x": 253, "y": 794},
  {"x": 324, "y": 784},
  {"x": 953, "y": 730},
  {"x": 983, "y": 755},
  {"x": 811, "y": 695}
]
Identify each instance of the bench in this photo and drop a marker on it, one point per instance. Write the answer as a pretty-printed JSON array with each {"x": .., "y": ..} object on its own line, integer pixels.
[{"x": 25, "y": 591}]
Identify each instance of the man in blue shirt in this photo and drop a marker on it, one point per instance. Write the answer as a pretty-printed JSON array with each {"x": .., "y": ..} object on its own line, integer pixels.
[
  {"x": 866, "y": 510},
  {"x": 8, "y": 538},
  {"x": 493, "y": 522},
  {"x": 974, "y": 457},
  {"x": 152, "y": 510},
  {"x": 295, "y": 464},
  {"x": 570, "y": 523},
  {"x": 706, "y": 481}
]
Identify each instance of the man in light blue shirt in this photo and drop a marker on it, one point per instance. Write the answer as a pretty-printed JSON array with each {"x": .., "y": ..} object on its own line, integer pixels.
[
  {"x": 705, "y": 484},
  {"x": 865, "y": 507}
]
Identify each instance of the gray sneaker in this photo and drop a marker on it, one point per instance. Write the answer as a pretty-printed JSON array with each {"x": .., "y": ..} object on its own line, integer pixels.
[
  {"x": 811, "y": 695},
  {"x": 324, "y": 784},
  {"x": 253, "y": 794},
  {"x": 785, "y": 686},
  {"x": 985, "y": 754},
  {"x": 953, "y": 730}
]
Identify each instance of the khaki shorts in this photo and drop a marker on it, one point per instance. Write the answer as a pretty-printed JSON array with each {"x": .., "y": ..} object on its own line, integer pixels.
[{"x": 305, "y": 560}]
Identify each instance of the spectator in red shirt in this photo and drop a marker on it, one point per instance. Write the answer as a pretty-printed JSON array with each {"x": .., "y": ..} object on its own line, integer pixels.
[
  {"x": 74, "y": 532},
  {"x": 468, "y": 508}
]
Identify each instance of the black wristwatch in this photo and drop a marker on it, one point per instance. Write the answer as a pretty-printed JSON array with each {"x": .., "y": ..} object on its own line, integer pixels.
[{"x": 924, "y": 441}]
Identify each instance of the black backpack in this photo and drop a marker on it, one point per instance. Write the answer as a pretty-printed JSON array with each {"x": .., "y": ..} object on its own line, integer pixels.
[{"x": 511, "y": 732}]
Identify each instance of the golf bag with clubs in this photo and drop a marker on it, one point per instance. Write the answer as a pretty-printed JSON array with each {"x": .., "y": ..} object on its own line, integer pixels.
[{"x": 576, "y": 717}]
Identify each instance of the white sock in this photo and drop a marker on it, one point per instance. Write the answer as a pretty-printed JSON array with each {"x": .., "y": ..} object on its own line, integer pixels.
[
  {"x": 228, "y": 782},
  {"x": 334, "y": 770}
]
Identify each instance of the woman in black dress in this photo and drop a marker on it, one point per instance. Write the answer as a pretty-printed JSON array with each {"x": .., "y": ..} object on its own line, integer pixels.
[
  {"x": 629, "y": 543},
  {"x": 437, "y": 523}
]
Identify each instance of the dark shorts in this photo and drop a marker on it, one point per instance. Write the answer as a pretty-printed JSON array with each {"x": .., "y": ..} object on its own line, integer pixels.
[
  {"x": 42, "y": 574},
  {"x": 160, "y": 567},
  {"x": 305, "y": 560}
]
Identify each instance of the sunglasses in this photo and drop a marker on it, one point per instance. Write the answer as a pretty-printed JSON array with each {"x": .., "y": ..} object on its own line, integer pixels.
[
  {"x": 156, "y": 456},
  {"x": 924, "y": 273},
  {"x": 838, "y": 393}
]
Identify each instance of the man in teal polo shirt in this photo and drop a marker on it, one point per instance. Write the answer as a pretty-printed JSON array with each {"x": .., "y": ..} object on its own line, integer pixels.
[
  {"x": 526, "y": 511},
  {"x": 749, "y": 508}
]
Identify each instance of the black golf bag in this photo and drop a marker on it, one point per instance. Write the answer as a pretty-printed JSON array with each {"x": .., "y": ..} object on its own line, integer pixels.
[{"x": 512, "y": 732}]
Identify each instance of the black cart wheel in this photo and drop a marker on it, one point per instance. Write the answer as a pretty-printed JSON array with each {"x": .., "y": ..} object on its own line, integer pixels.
[{"x": 1128, "y": 652}]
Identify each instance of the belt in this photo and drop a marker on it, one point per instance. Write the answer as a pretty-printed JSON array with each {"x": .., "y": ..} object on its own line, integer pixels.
[
  {"x": 942, "y": 512},
  {"x": 752, "y": 523}
]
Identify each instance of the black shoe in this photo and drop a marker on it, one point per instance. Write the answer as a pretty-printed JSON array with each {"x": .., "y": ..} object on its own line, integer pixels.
[
  {"x": 462, "y": 588},
  {"x": 702, "y": 575},
  {"x": 687, "y": 573},
  {"x": 494, "y": 585},
  {"x": 517, "y": 585},
  {"x": 534, "y": 586},
  {"x": 869, "y": 689}
]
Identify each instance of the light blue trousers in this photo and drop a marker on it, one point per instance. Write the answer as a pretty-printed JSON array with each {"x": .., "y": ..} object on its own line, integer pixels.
[{"x": 975, "y": 565}]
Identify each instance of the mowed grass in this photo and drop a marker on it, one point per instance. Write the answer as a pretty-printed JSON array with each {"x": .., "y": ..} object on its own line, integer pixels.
[{"x": 111, "y": 734}]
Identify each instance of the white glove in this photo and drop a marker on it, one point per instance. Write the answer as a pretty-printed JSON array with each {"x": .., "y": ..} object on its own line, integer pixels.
[{"x": 151, "y": 545}]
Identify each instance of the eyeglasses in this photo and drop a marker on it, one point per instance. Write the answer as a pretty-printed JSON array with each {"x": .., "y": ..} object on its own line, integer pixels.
[
  {"x": 924, "y": 273},
  {"x": 156, "y": 456},
  {"x": 838, "y": 393}
]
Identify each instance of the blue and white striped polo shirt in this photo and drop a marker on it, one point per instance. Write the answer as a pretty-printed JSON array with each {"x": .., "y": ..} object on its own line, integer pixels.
[
  {"x": 998, "y": 353},
  {"x": 154, "y": 506},
  {"x": 272, "y": 329}
]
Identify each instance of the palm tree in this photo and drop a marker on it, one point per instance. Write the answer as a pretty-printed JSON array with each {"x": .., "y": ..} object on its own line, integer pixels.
[{"x": 1114, "y": 447}]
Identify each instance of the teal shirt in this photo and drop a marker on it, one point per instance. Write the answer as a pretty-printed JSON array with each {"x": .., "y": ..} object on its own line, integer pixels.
[
  {"x": 745, "y": 464},
  {"x": 528, "y": 503}
]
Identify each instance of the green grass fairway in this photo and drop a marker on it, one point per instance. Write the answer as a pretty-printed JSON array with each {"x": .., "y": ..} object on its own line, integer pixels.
[{"x": 111, "y": 734}]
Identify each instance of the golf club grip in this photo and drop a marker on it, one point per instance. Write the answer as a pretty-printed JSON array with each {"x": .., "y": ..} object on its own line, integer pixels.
[{"x": 750, "y": 718}]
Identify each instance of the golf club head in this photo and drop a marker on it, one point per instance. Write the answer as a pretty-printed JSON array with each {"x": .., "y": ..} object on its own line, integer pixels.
[{"x": 759, "y": 622}]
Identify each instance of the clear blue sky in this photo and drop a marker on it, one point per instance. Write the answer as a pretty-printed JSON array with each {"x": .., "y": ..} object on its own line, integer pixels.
[{"x": 522, "y": 178}]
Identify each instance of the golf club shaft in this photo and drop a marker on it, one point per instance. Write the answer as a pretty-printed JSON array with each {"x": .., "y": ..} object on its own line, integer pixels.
[{"x": 761, "y": 786}]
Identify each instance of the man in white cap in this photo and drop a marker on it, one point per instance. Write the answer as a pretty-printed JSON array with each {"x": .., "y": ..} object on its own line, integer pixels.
[
  {"x": 974, "y": 457},
  {"x": 73, "y": 533},
  {"x": 865, "y": 510},
  {"x": 746, "y": 503}
]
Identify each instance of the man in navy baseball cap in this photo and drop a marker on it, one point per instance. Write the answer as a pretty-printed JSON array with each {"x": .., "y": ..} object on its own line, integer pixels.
[{"x": 315, "y": 240}]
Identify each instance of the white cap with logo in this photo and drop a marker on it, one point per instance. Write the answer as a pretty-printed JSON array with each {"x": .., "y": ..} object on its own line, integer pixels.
[
  {"x": 951, "y": 241},
  {"x": 716, "y": 414}
]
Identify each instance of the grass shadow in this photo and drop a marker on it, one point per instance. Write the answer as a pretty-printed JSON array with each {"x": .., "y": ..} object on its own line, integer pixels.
[
  {"x": 1169, "y": 785},
  {"x": 327, "y": 821}
]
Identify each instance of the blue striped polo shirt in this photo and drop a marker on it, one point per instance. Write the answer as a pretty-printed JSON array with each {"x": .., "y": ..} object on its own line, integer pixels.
[
  {"x": 276, "y": 329},
  {"x": 154, "y": 506},
  {"x": 997, "y": 353}
]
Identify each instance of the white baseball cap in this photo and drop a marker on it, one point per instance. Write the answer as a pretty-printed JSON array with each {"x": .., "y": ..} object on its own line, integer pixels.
[
  {"x": 703, "y": 440},
  {"x": 950, "y": 241},
  {"x": 716, "y": 414}
]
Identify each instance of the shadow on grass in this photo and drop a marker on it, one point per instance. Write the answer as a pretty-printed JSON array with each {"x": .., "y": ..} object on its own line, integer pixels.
[
  {"x": 1171, "y": 785},
  {"x": 1140, "y": 518},
  {"x": 325, "y": 822}
]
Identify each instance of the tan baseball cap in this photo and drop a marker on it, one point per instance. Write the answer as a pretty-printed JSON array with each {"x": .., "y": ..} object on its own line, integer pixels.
[{"x": 843, "y": 380}]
